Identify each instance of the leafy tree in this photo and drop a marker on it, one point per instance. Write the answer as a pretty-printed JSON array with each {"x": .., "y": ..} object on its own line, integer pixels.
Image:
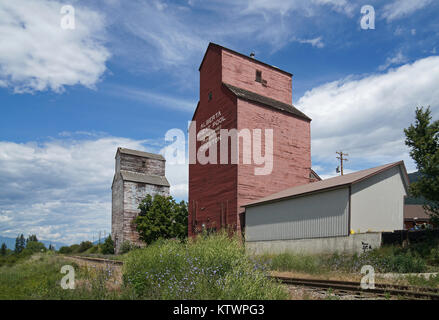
[
  {"x": 32, "y": 238},
  {"x": 65, "y": 250},
  {"x": 34, "y": 246},
  {"x": 161, "y": 217},
  {"x": 108, "y": 246},
  {"x": 423, "y": 140},
  {"x": 74, "y": 248},
  {"x": 84, "y": 245},
  {"x": 3, "y": 249}
]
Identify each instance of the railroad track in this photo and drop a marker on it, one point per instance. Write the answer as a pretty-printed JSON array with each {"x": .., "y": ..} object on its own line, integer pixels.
[
  {"x": 381, "y": 289},
  {"x": 98, "y": 260},
  {"x": 355, "y": 288}
]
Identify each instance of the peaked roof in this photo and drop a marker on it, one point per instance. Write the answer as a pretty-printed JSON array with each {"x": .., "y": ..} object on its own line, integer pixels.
[
  {"x": 144, "y": 178},
  {"x": 254, "y": 97},
  {"x": 345, "y": 180},
  {"x": 211, "y": 44},
  {"x": 142, "y": 154}
]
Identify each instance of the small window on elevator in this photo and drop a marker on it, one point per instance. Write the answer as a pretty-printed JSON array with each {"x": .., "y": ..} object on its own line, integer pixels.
[
  {"x": 209, "y": 96},
  {"x": 258, "y": 76}
]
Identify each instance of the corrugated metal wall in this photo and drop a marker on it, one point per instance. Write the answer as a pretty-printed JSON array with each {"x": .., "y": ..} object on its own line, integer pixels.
[
  {"x": 323, "y": 214},
  {"x": 378, "y": 202}
]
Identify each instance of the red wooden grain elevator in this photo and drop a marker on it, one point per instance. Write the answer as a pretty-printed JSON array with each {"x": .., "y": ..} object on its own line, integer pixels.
[{"x": 240, "y": 92}]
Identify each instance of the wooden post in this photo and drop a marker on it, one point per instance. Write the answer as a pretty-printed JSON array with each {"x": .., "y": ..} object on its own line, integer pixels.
[{"x": 341, "y": 159}]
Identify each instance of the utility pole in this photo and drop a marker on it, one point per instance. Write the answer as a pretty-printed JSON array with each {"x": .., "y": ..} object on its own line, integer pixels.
[{"x": 340, "y": 157}]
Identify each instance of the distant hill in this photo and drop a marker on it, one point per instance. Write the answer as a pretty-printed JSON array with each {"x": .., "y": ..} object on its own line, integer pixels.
[{"x": 10, "y": 243}]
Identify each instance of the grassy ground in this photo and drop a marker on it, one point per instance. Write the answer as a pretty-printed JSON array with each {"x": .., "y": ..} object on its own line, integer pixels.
[
  {"x": 417, "y": 258},
  {"x": 215, "y": 267},
  {"x": 385, "y": 259},
  {"x": 39, "y": 277},
  {"x": 207, "y": 268}
]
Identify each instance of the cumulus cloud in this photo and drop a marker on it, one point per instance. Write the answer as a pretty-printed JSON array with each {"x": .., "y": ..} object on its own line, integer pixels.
[
  {"x": 366, "y": 116},
  {"x": 37, "y": 54},
  {"x": 399, "y": 58},
  {"x": 402, "y": 8},
  {"x": 61, "y": 189}
]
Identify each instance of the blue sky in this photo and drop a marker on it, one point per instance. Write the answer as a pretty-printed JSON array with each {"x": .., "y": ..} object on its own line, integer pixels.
[{"x": 128, "y": 73}]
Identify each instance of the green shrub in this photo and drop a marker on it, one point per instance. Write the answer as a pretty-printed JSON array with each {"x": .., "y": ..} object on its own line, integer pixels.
[
  {"x": 74, "y": 248},
  {"x": 292, "y": 262},
  {"x": 84, "y": 245},
  {"x": 92, "y": 250},
  {"x": 35, "y": 246},
  {"x": 431, "y": 282},
  {"x": 65, "y": 250},
  {"x": 126, "y": 246},
  {"x": 214, "y": 267},
  {"x": 434, "y": 256},
  {"x": 108, "y": 246}
]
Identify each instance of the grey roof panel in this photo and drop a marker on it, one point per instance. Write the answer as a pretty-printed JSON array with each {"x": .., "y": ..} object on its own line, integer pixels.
[
  {"x": 254, "y": 97},
  {"x": 412, "y": 211},
  {"x": 141, "y": 154},
  {"x": 144, "y": 178},
  {"x": 330, "y": 183}
]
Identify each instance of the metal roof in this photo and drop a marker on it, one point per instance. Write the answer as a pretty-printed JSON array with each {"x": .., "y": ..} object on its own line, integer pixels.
[
  {"x": 142, "y": 154},
  {"x": 144, "y": 178},
  {"x": 412, "y": 211},
  {"x": 254, "y": 97},
  {"x": 331, "y": 183}
]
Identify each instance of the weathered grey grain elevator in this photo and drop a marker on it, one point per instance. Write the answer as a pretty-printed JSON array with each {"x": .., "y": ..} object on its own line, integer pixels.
[{"x": 137, "y": 174}]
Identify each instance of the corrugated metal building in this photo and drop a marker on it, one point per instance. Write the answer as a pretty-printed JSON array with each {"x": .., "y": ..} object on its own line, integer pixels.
[{"x": 370, "y": 200}]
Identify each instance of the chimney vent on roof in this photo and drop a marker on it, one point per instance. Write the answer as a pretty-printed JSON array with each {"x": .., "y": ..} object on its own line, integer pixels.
[{"x": 252, "y": 55}]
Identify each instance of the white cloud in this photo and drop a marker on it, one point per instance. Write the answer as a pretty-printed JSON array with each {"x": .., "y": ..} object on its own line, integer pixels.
[
  {"x": 158, "y": 99},
  {"x": 166, "y": 35},
  {"x": 365, "y": 117},
  {"x": 61, "y": 189},
  {"x": 4, "y": 218},
  {"x": 402, "y": 8},
  {"x": 316, "y": 42},
  {"x": 37, "y": 54},
  {"x": 283, "y": 7},
  {"x": 399, "y": 58}
]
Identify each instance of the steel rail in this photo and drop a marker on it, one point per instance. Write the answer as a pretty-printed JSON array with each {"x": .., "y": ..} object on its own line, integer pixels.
[{"x": 380, "y": 288}]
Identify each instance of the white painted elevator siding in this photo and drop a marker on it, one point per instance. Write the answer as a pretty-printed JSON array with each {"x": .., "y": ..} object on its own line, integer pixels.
[
  {"x": 323, "y": 214},
  {"x": 377, "y": 203}
]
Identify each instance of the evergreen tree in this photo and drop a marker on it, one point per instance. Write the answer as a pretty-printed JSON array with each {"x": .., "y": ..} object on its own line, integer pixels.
[
  {"x": 22, "y": 241},
  {"x": 32, "y": 238},
  {"x": 20, "y": 244},
  {"x": 161, "y": 217},
  {"x": 423, "y": 140},
  {"x": 108, "y": 246},
  {"x": 3, "y": 249}
]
